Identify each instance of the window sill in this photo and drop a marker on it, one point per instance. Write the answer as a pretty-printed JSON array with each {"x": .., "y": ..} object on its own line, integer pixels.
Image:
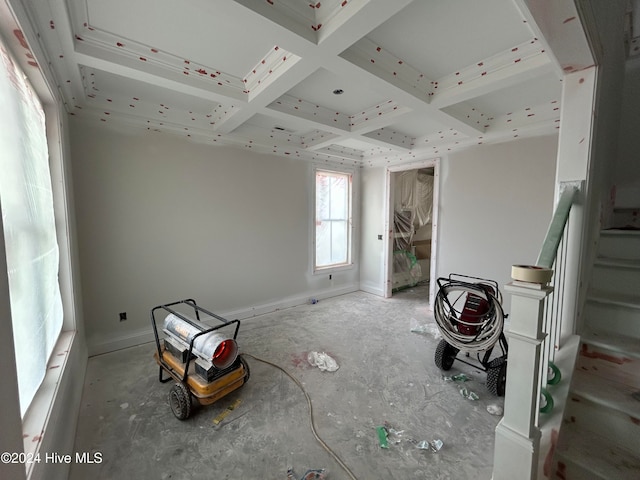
[
  {"x": 331, "y": 270},
  {"x": 38, "y": 414}
]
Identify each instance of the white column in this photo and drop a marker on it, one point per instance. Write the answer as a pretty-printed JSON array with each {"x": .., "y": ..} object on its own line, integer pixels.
[{"x": 517, "y": 441}]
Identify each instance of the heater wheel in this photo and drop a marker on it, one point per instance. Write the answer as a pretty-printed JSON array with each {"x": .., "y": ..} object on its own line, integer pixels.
[
  {"x": 180, "y": 401},
  {"x": 445, "y": 355},
  {"x": 245, "y": 365},
  {"x": 497, "y": 376}
]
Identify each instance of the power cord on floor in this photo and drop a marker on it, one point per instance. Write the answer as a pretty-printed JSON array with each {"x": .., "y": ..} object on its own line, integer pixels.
[{"x": 311, "y": 421}]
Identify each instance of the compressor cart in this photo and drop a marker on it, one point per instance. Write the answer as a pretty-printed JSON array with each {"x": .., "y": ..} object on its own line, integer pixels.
[
  {"x": 202, "y": 360},
  {"x": 468, "y": 311}
]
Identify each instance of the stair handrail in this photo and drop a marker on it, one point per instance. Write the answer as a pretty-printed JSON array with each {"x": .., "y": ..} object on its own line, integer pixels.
[
  {"x": 553, "y": 255},
  {"x": 534, "y": 336},
  {"x": 556, "y": 229}
]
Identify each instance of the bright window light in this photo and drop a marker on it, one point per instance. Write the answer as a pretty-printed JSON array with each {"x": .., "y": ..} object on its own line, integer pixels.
[
  {"x": 332, "y": 219},
  {"x": 28, "y": 225}
]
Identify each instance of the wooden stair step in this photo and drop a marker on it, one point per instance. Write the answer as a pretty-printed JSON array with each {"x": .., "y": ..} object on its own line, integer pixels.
[
  {"x": 607, "y": 393},
  {"x": 620, "y": 232},
  {"x": 631, "y": 263},
  {"x": 613, "y": 342},
  {"x": 595, "y": 454},
  {"x": 619, "y": 243},
  {"x": 612, "y": 298}
]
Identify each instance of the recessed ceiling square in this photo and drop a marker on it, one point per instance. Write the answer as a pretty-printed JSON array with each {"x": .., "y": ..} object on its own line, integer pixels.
[
  {"x": 318, "y": 89},
  {"x": 536, "y": 91},
  {"x": 416, "y": 125},
  {"x": 441, "y": 37},
  {"x": 196, "y": 31},
  {"x": 122, "y": 91},
  {"x": 285, "y": 125}
]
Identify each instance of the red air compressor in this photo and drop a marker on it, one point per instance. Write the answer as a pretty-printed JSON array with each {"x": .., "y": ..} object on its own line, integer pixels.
[{"x": 469, "y": 315}]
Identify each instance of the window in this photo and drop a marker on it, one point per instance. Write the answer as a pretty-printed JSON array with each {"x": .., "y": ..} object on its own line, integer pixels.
[
  {"x": 333, "y": 222},
  {"x": 28, "y": 225}
]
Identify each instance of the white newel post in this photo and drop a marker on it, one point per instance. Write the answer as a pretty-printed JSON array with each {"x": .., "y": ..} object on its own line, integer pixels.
[{"x": 517, "y": 440}]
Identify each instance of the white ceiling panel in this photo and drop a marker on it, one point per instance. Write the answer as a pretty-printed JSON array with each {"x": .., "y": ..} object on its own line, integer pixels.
[
  {"x": 418, "y": 78},
  {"x": 439, "y": 37},
  {"x": 530, "y": 93},
  {"x": 212, "y": 37},
  {"x": 318, "y": 88}
]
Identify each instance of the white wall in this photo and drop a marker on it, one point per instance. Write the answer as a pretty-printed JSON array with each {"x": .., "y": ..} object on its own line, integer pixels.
[
  {"x": 373, "y": 214},
  {"x": 602, "y": 161},
  {"x": 627, "y": 175},
  {"x": 162, "y": 219},
  {"x": 496, "y": 202}
]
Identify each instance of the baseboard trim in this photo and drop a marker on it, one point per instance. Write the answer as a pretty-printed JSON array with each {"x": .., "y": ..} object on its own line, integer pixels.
[
  {"x": 112, "y": 343},
  {"x": 372, "y": 290}
]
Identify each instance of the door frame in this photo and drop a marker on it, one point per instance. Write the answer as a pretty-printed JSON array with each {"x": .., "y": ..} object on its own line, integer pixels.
[{"x": 388, "y": 223}]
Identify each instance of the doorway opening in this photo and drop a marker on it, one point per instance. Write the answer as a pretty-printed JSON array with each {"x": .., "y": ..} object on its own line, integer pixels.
[{"x": 411, "y": 223}]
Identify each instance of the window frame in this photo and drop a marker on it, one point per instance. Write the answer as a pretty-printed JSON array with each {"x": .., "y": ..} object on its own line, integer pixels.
[
  {"x": 30, "y": 196},
  {"x": 58, "y": 391},
  {"x": 351, "y": 224}
]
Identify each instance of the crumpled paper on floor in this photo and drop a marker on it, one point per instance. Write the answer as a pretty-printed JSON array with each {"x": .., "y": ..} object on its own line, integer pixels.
[
  {"x": 427, "y": 328},
  {"x": 323, "y": 361},
  {"x": 495, "y": 410}
]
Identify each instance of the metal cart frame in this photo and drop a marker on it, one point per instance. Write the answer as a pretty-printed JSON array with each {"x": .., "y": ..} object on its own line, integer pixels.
[
  {"x": 446, "y": 353},
  {"x": 180, "y": 370}
]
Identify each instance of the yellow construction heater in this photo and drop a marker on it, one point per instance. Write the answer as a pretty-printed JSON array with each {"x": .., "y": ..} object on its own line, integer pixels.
[{"x": 202, "y": 360}]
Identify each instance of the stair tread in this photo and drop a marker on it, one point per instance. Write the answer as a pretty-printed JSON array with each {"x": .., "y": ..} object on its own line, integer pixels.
[
  {"x": 618, "y": 262},
  {"x": 620, "y": 232},
  {"x": 623, "y": 299},
  {"x": 605, "y": 392},
  {"x": 613, "y": 342},
  {"x": 597, "y": 454}
]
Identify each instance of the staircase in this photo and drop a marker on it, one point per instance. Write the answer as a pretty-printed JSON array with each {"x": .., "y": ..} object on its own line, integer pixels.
[{"x": 600, "y": 434}]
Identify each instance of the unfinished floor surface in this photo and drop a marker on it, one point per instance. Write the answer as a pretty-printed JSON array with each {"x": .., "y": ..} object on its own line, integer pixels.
[{"x": 386, "y": 376}]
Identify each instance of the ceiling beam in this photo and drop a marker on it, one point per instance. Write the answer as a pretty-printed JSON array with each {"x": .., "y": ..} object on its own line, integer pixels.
[
  {"x": 558, "y": 26},
  {"x": 500, "y": 71},
  {"x": 309, "y": 57},
  {"x": 146, "y": 70}
]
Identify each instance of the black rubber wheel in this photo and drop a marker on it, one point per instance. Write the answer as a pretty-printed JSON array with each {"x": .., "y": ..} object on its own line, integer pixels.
[
  {"x": 445, "y": 355},
  {"x": 180, "y": 401},
  {"x": 497, "y": 376},
  {"x": 247, "y": 372}
]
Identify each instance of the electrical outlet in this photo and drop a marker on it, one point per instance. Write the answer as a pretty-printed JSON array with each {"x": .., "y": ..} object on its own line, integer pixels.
[{"x": 123, "y": 316}]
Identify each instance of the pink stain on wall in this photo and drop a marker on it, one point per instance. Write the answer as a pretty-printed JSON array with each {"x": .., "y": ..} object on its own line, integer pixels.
[{"x": 20, "y": 36}]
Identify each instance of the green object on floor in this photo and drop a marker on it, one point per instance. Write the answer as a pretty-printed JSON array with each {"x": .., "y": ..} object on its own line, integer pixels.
[{"x": 382, "y": 437}]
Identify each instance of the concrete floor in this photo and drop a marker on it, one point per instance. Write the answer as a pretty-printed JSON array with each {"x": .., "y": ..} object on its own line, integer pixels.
[{"x": 386, "y": 374}]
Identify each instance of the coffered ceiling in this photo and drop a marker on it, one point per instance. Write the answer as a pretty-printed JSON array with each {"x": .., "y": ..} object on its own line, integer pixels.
[{"x": 361, "y": 82}]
